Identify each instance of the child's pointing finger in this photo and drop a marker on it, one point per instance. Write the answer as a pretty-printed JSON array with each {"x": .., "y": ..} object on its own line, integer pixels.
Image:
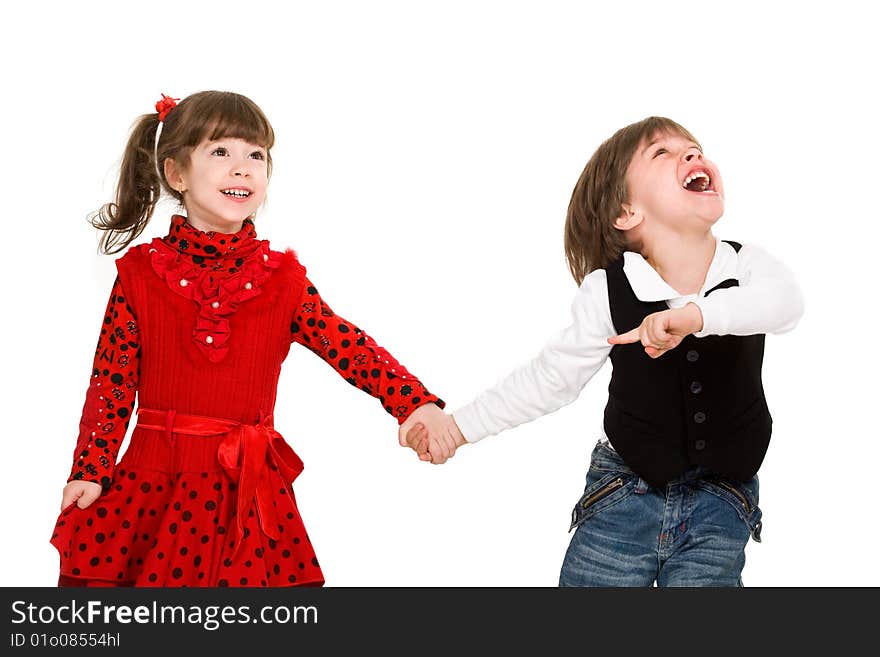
[{"x": 625, "y": 338}]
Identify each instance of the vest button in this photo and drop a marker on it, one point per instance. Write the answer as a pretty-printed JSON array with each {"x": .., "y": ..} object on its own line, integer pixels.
[
  {"x": 699, "y": 417},
  {"x": 700, "y": 444},
  {"x": 692, "y": 356},
  {"x": 696, "y": 387}
]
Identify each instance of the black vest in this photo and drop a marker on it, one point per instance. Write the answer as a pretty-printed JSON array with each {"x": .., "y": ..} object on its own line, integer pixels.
[{"x": 701, "y": 403}]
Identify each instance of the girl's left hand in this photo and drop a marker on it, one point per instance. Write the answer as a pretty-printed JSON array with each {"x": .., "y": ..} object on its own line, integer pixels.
[{"x": 660, "y": 332}]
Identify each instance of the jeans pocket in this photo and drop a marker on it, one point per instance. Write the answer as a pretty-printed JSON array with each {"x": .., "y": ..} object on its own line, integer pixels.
[
  {"x": 742, "y": 495},
  {"x": 604, "y": 489}
]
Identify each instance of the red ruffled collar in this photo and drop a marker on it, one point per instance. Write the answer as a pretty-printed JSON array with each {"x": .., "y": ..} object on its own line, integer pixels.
[
  {"x": 216, "y": 279},
  {"x": 200, "y": 245}
]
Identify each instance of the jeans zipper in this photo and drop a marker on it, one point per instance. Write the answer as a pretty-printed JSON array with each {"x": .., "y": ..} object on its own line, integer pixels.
[
  {"x": 606, "y": 490},
  {"x": 733, "y": 490}
]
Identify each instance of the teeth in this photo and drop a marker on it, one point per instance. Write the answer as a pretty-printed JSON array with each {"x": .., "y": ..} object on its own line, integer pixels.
[
  {"x": 238, "y": 193},
  {"x": 694, "y": 176}
]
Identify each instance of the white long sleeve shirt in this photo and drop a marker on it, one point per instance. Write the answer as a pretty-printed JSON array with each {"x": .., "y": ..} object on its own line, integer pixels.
[{"x": 767, "y": 300}]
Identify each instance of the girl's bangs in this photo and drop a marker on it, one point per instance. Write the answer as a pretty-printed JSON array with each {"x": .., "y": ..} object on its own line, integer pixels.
[{"x": 237, "y": 119}]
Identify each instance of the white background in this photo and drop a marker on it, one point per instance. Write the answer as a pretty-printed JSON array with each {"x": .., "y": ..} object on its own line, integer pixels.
[{"x": 425, "y": 157}]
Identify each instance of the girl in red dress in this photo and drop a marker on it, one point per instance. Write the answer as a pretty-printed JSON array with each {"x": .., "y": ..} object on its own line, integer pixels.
[{"x": 197, "y": 326}]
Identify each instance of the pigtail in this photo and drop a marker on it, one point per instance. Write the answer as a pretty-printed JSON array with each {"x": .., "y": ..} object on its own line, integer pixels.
[{"x": 137, "y": 191}]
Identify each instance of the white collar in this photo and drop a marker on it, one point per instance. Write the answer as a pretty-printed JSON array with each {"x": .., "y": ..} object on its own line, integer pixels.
[{"x": 648, "y": 285}]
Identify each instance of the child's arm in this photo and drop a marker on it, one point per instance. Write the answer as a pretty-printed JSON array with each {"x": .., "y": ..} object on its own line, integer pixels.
[
  {"x": 555, "y": 376},
  {"x": 767, "y": 300},
  {"x": 357, "y": 357},
  {"x": 661, "y": 331},
  {"x": 109, "y": 400}
]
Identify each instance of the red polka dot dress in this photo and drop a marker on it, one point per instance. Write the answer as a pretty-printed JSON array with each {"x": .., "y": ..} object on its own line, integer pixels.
[{"x": 197, "y": 327}]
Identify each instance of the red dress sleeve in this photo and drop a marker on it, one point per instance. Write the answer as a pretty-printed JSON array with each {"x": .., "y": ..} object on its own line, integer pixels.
[
  {"x": 356, "y": 356},
  {"x": 111, "y": 393}
]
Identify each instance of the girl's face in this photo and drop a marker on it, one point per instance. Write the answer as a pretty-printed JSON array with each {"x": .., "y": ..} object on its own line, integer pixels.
[
  {"x": 223, "y": 185},
  {"x": 671, "y": 182}
]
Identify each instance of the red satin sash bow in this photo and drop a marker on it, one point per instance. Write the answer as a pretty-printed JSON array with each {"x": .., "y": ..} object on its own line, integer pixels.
[{"x": 253, "y": 455}]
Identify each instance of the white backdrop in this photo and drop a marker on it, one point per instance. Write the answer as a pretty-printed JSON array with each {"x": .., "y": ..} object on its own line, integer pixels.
[{"x": 425, "y": 157}]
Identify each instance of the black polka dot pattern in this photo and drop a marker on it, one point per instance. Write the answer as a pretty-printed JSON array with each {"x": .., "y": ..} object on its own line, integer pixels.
[
  {"x": 110, "y": 397},
  {"x": 126, "y": 543},
  {"x": 356, "y": 356},
  {"x": 217, "y": 252}
]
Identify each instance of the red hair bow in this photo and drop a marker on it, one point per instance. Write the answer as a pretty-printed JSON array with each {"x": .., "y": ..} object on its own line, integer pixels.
[{"x": 165, "y": 105}]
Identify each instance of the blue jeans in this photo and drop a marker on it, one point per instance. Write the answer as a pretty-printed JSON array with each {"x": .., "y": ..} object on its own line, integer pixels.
[{"x": 691, "y": 533}]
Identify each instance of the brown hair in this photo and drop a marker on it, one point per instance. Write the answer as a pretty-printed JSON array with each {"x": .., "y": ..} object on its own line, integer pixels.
[
  {"x": 203, "y": 115},
  {"x": 591, "y": 239}
]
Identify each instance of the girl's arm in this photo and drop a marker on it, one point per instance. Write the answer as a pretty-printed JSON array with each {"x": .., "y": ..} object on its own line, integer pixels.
[
  {"x": 767, "y": 300},
  {"x": 356, "y": 356},
  {"x": 111, "y": 393},
  {"x": 555, "y": 376}
]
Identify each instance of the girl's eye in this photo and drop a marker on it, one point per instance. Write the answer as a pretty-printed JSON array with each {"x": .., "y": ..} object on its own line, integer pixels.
[{"x": 219, "y": 151}]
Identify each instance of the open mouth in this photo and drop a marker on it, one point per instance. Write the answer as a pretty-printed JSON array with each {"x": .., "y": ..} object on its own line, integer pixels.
[
  {"x": 236, "y": 193},
  {"x": 698, "y": 181}
]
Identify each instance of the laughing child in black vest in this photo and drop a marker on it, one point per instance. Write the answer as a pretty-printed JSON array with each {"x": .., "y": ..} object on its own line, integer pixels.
[{"x": 672, "y": 490}]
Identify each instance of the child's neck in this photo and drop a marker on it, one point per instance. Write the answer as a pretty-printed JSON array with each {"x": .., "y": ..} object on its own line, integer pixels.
[{"x": 681, "y": 260}]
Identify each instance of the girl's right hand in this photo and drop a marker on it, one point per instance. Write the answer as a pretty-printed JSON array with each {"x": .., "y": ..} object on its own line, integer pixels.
[{"x": 81, "y": 492}]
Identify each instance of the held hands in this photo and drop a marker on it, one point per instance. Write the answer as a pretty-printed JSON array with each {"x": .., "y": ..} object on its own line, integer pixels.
[
  {"x": 433, "y": 434},
  {"x": 81, "y": 492},
  {"x": 660, "y": 332}
]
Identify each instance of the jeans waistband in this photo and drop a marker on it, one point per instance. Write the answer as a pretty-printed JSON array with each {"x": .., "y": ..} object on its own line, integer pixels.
[{"x": 606, "y": 457}]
